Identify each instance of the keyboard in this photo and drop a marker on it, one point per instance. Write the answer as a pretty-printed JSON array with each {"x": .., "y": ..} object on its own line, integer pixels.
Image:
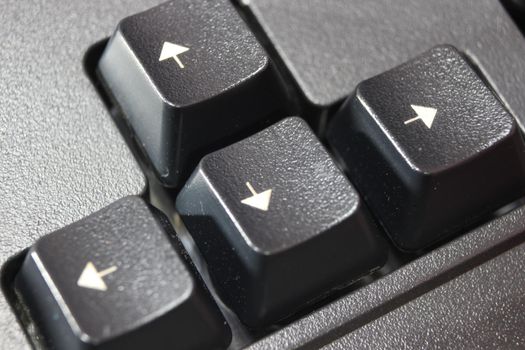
[{"x": 262, "y": 174}]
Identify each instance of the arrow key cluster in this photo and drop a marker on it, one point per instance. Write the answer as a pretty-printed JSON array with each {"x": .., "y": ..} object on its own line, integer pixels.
[{"x": 430, "y": 147}]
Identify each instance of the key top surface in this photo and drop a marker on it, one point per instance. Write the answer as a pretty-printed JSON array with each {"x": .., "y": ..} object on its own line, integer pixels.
[
  {"x": 115, "y": 281},
  {"x": 183, "y": 65},
  {"x": 430, "y": 147},
  {"x": 436, "y": 110},
  {"x": 193, "y": 50},
  {"x": 277, "y": 222}
]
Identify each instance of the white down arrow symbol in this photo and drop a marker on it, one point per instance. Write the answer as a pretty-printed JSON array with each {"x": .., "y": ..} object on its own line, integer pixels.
[{"x": 260, "y": 200}]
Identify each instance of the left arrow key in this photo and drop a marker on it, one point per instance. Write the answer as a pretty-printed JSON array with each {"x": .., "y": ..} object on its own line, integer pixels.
[
  {"x": 186, "y": 93},
  {"x": 115, "y": 280}
]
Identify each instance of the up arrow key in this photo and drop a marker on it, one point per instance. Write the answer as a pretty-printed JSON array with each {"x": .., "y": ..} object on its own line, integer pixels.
[
  {"x": 170, "y": 50},
  {"x": 426, "y": 114},
  {"x": 225, "y": 70}
]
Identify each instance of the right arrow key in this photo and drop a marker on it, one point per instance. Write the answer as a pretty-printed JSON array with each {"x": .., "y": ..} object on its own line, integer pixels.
[{"x": 430, "y": 147}]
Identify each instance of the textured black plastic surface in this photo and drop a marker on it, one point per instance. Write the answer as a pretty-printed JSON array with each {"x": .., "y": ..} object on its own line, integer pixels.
[
  {"x": 61, "y": 156},
  {"x": 182, "y": 107},
  {"x": 456, "y": 315},
  {"x": 144, "y": 296},
  {"x": 311, "y": 234},
  {"x": 430, "y": 147}
]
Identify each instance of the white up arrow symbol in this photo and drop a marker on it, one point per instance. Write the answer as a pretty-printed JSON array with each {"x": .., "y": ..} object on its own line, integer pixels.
[
  {"x": 259, "y": 201},
  {"x": 92, "y": 279},
  {"x": 426, "y": 114},
  {"x": 170, "y": 50}
]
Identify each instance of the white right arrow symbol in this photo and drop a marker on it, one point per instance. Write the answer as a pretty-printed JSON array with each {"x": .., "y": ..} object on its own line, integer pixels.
[
  {"x": 259, "y": 201},
  {"x": 92, "y": 279},
  {"x": 171, "y": 50},
  {"x": 426, "y": 114}
]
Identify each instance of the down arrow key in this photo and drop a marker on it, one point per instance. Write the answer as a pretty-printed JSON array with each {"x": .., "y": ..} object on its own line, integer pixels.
[{"x": 263, "y": 253}]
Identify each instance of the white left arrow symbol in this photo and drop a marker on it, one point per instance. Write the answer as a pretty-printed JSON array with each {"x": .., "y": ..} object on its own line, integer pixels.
[
  {"x": 171, "y": 50},
  {"x": 93, "y": 279},
  {"x": 426, "y": 114}
]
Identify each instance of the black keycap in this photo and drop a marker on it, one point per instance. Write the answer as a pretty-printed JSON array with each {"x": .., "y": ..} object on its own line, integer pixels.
[
  {"x": 278, "y": 223},
  {"x": 190, "y": 77},
  {"x": 430, "y": 147},
  {"x": 115, "y": 281}
]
